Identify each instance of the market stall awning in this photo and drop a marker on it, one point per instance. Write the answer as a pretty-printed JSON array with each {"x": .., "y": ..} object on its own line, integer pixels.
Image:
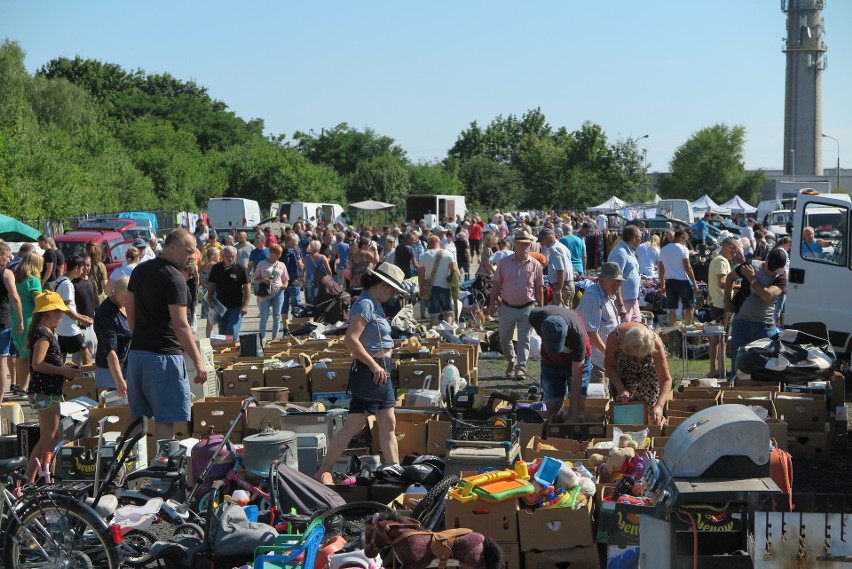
[
  {"x": 371, "y": 205},
  {"x": 738, "y": 205},
  {"x": 705, "y": 203},
  {"x": 612, "y": 204},
  {"x": 13, "y": 230}
]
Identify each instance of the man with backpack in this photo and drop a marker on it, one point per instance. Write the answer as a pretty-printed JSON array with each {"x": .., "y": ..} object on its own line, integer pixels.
[
  {"x": 295, "y": 264},
  {"x": 69, "y": 332}
]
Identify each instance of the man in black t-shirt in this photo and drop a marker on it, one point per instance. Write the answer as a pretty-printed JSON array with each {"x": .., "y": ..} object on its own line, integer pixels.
[
  {"x": 54, "y": 260},
  {"x": 403, "y": 256},
  {"x": 157, "y": 384},
  {"x": 228, "y": 293}
]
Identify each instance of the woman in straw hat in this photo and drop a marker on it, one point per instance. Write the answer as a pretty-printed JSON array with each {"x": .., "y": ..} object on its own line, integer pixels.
[
  {"x": 47, "y": 372},
  {"x": 369, "y": 339}
]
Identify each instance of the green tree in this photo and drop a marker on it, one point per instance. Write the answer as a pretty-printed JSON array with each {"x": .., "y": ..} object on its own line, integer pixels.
[
  {"x": 712, "y": 162},
  {"x": 384, "y": 178},
  {"x": 491, "y": 183},
  {"x": 429, "y": 178},
  {"x": 345, "y": 148},
  {"x": 502, "y": 138}
]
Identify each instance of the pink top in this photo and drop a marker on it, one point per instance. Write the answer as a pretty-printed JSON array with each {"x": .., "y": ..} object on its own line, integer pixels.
[{"x": 518, "y": 281}]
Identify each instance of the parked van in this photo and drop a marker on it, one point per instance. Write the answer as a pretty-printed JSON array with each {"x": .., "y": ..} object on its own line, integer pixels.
[
  {"x": 819, "y": 284},
  {"x": 237, "y": 213},
  {"x": 678, "y": 209},
  {"x": 328, "y": 213}
]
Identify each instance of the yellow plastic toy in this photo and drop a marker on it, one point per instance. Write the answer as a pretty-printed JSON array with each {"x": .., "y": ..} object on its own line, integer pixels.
[{"x": 494, "y": 486}]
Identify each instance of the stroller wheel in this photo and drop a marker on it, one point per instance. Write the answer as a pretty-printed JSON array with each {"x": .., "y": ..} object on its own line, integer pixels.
[
  {"x": 135, "y": 547},
  {"x": 189, "y": 529}
]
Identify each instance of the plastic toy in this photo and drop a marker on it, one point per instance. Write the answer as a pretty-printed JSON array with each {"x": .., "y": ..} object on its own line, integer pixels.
[{"x": 494, "y": 486}]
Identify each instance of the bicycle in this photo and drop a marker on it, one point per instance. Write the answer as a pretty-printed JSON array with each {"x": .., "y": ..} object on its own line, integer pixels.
[{"x": 49, "y": 525}]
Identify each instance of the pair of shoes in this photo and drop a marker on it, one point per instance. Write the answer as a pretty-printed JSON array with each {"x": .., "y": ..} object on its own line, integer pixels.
[
  {"x": 520, "y": 373},
  {"x": 17, "y": 390},
  {"x": 510, "y": 370}
]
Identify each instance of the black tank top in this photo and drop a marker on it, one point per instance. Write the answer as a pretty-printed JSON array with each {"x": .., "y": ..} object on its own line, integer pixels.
[{"x": 5, "y": 320}]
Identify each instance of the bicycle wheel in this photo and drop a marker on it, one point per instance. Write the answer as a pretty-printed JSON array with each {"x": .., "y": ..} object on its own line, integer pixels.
[
  {"x": 56, "y": 532},
  {"x": 135, "y": 547},
  {"x": 430, "y": 510}
]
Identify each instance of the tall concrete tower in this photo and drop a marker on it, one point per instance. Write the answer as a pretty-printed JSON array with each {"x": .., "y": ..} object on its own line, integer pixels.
[{"x": 806, "y": 59}]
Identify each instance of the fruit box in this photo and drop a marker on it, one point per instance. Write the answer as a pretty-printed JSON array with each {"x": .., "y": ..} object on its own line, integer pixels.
[{"x": 555, "y": 528}]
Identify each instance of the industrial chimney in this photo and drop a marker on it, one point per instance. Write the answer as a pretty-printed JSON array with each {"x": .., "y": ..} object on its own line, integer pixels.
[{"x": 806, "y": 59}]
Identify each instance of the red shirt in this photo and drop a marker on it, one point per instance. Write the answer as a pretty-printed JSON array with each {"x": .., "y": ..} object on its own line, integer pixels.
[{"x": 475, "y": 232}]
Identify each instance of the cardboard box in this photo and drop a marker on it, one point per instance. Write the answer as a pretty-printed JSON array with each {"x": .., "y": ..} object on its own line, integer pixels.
[
  {"x": 437, "y": 434},
  {"x": 239, "y": 379},
  {"x": 526, "y": 431},
  {"x": 81, "y": 387},
  {"x": 690, "y": 405},
  {"x": 77, "y": 460},
  {"x": 578, "y": 431},
  {"x": 697, "y": 393},
  {"x": 761, "y": 399},
  {"x": 561, "y": 449},
  {"x": 333, "y": 377},
  {"x": 618, "y": 524},
  {"x": 749, "y": 384},
  {"x": 801, "y": 411},
  {"x": 296, "y": 379},
  {"x": 414, "y": 374},
  {"x": 585, "y": 557},
  {"x": 120, "y": 411},
  {"x": 259, "y": 417},
  {"x": 778, "y": 431},
  {"x": 333, "y": 399},
  {"x": 555, "y": 528},
  {"x": 809, "y": 445},
  {"x": 498, "y": 520},
  {"x": 183, "y": 430},
  {"x": 217, "y": 413},
  {"x": 411, "y": 433},
  {"x": 459, "y": 358},
  {"x": 511, "y": 555}
]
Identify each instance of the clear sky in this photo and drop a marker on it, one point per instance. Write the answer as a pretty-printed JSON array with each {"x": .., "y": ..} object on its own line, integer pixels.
[{"x": 420, "y": 72}]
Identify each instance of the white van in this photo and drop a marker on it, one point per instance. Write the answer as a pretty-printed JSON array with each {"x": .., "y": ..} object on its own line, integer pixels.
[
  {"x": 677, "y": 209},
  {"x": 329, "y": 213},
  {"x": 236, "y": 213},
  {"x": 819, "y": 284}
]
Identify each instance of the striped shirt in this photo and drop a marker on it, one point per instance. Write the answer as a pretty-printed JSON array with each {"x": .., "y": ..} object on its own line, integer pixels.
[{"x": 600, "y": 315}]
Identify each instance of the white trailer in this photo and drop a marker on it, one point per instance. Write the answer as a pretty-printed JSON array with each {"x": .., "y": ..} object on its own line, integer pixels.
[{"x": 434, "y": 209}]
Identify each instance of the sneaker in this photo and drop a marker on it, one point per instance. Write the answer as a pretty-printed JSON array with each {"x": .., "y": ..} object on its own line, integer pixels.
[
  {"x": 510, "y": 370},
  {"x": 520, "y": 373}
]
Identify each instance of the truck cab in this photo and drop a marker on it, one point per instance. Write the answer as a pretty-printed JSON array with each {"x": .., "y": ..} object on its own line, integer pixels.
[{"x": 820, "y": 279}]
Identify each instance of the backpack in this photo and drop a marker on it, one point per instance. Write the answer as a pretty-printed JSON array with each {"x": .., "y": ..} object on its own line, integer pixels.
[{"x": 53, "y": 285}]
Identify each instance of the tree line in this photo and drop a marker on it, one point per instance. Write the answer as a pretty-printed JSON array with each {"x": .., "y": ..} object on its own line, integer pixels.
[{"x": 83, "y": 136}]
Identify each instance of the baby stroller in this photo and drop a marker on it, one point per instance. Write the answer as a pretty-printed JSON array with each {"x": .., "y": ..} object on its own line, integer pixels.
[{"x": 332, "y": 302}]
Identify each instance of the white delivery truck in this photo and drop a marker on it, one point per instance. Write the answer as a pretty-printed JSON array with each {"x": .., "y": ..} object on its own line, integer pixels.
[
  {"x": 232, "y": 213},
  {"x": 820, "y": 282},
  {"x": 434, "y": 209}
]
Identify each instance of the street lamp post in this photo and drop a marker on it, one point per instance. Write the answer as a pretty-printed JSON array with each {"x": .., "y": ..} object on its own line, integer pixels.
[{"x": 837, "y": 142}]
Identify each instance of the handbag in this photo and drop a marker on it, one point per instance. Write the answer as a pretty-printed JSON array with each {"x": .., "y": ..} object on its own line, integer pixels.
[
  {"x": 426, "y": 285},
  {"x": 264, "y": 289}
]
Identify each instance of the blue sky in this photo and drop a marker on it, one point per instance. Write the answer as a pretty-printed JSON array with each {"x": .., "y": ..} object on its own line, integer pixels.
[{"x": 420, "y": 72}]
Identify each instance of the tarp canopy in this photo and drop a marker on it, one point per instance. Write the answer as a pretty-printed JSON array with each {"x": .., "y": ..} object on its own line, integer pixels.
[
  {"x": 612, "y": 204},
  {"x": 738, "y": 205},
  {"x": 371, "y": 205},
  {"x": 13, "y": 230},
  {"x": 655, "y": 199},
  {"x": 705, "y": 203}
]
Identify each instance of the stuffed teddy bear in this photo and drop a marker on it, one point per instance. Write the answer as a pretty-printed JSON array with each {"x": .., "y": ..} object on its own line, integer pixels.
[{"x": 617, "y": 458}]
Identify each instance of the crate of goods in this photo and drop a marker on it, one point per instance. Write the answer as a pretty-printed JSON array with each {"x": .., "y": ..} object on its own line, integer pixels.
[{"x": 498, "y": 428}]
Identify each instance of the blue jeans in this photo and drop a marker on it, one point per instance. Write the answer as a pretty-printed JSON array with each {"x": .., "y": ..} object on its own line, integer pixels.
[
  {"x": 291, "y": 299},
  {"x": 556, "y": 380},
  {"x": 746, "y": 331},
  {"x": 274, "y": 302},
  {"x": 230, "y": 323}
]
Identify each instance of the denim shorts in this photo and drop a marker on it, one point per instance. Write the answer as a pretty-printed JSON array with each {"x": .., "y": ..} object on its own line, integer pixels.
[
  {"x": 6, "y": 345},
  {"x": 361, "y": 372},
  {"x": 556, "y": 381},
  {"x": 158, "y": 387},
  {"x": 676, "y": 289},
  {"x": 439, "y": 301}
]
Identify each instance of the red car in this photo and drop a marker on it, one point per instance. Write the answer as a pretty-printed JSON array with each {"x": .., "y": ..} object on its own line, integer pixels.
[
  {"x": 119, "y": 225},
  {"x": 113, "y": 245}
]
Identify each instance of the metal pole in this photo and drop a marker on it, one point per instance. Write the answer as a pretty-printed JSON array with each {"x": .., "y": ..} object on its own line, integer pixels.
[
  {"x": 792, "y": 165},
  {"x": 837, "y": 142}
]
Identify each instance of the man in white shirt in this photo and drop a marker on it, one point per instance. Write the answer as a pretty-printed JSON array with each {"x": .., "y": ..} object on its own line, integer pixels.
[
  {"x": 677, "y": 279},
  {"x": 560, "y": 270},
  {"x": 244, "y": 249},
  {"x": 71, "y": 340},
  {"x": 601, "y": 222},
  {"x": 145, "y": 252}
]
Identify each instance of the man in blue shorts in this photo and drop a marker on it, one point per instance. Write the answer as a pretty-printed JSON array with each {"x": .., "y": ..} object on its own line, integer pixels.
[
  {"x": 566, "y": 358},
  {"x": 677, "y": 279},
  {"x": 157, "y": 383}
]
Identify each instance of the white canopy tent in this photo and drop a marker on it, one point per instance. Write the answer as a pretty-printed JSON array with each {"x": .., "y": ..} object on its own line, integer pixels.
[
  {"x": 705, "y": 203},
  {"x": 738, "y": 205},
  {"x": 612, "y": 204}
]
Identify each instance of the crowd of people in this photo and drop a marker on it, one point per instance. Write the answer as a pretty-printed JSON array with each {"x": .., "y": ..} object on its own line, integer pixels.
[{"x": 138, "y": 323}]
